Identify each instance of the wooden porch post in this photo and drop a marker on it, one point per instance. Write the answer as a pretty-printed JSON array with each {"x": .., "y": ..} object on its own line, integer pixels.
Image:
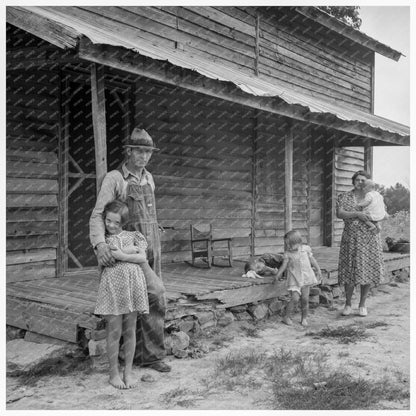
[
  {"x": 99, "y": 124},
  {"x": 368, "y": 158},
  {"x": 254, "y": 184},
  {"x": 368, "y": 149},
  {"x": 288, "y": 179}
]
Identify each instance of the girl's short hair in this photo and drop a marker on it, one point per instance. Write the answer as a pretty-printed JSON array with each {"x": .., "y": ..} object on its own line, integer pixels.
[
  {"x": 118, "y": 207},
  {"x": 360, "y": 173},
  {"x": 292, "y": 238}
]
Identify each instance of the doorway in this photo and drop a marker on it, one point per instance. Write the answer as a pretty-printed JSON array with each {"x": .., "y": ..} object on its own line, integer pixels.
[{"x": 79, "y": 168}]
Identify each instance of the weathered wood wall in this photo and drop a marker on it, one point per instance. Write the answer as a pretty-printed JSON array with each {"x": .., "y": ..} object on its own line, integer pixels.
[
  {"x": 224, "y": 164},
  {"x": 297, "y": 52},
  {"x": 219, "y": 162},
  {"x": 203, "y": 173},
  {"x": 269, "y": 217},
  {"x": 304, "y": 56},
  {"x": 31, "y": 169}
]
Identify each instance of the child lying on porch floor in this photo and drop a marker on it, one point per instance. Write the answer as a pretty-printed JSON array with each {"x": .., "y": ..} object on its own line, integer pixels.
[
  {"x": 122, "y": 293},
  {"x": 267, "y": 264}
]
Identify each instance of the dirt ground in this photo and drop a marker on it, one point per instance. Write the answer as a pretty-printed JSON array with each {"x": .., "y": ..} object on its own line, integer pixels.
[{"x": 195, "y": 384}]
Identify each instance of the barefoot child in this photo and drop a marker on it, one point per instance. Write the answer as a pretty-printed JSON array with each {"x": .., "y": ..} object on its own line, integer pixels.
[
  {"x": 122, "y": 293},
  {"x": 298, "y": 262},
  {"x": 373, "y": 206}
]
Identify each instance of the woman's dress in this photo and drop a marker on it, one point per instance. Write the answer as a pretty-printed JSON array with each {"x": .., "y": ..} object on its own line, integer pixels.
[
  {"x": 361, "y": 253},
  {"x": 123, "y": 286}
]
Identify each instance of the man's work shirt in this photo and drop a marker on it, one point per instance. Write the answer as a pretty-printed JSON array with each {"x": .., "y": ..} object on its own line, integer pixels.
[{"x": 114, "y": 187}]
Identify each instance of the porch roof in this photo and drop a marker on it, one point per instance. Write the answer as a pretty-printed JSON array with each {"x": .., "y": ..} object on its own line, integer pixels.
[{"x": 65, "y": 26}]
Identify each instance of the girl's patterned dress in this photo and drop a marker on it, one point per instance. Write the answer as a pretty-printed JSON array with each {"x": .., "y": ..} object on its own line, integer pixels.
[
  {"x": 123, "y": 286},
  {"x": 299, "y": 270},
  {"x": 361, "y": 252}
]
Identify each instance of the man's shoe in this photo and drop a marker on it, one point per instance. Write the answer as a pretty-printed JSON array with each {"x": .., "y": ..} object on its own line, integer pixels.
[
  {"x": 363, "y": 311},
  {"x": 347, "y": 311},
  {"x": 159, "y": 366}
]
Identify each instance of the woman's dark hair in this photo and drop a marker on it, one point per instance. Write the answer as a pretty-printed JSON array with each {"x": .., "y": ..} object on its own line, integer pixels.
[
  {"x": 360, "y": 173},
  {"x": 120, "y": 208}
]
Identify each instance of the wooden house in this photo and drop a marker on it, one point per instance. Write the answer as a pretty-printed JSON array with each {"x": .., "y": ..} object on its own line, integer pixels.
[{"x": 262, "y": 114}]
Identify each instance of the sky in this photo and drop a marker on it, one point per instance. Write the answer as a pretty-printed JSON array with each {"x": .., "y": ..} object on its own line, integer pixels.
[{"x": 391, "y": 26}]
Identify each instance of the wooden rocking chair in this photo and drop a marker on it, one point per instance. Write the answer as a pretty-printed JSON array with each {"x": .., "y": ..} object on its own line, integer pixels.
[{"x": 206, "y": 247}]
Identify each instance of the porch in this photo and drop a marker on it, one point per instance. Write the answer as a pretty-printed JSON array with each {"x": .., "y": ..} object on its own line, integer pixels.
[{"x": 62, "y": 308}]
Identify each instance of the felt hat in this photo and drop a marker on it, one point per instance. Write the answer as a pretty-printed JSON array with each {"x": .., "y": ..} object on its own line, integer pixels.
[{"x": 140, "y": 138}]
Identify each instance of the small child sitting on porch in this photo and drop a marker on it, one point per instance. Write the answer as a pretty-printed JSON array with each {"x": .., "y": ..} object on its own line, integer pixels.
[
  {"x": 267, "y": 264},
  {"x": 122, "y": 292},
  {"x": 373, "y": 206},
  {"x": 298, "y": 261}
]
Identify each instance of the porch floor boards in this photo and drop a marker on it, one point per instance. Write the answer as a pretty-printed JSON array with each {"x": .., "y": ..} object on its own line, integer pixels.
[{"x": 185, "y": 285}]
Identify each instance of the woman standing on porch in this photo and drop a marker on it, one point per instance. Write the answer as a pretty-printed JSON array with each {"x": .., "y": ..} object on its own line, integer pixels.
[{"x": 361, "y": 254}]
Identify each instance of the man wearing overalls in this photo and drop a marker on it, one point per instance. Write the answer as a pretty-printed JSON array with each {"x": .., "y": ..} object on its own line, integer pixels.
[{"x": 134, "y": 185}]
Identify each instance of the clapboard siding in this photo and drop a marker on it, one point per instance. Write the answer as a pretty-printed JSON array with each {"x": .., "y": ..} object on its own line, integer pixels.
[
  {"x": 32, "y": 174},
  {"x": 203, "y": 172},
  {"x": 293, "y": 51},
  {"x": 318, "y": 146},
  {"x": 270, "y": 181},
  {"x": 348, "y": 160},
  {"x": 292, "y": 54}
]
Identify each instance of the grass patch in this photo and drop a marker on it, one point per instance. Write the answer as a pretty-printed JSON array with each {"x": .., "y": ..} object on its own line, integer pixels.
[
  {"x": 250, "y": 331},
  {"x": 371, "y": 325},
  {"x": 303, "y": 381},
  {"x": 221, "y": 340},
  {"x": 344, "y": 334},
  {"x": 339, "y": 391},
  {"x": 239, "y": 362},
  {"x": 178, "y": 397},
  {"x": 58, "y": 367}
]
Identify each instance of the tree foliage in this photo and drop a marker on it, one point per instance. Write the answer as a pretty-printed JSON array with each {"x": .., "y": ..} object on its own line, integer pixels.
[
  {"x": 396, "y": 198},
  {"x": 348, "y": 14}
]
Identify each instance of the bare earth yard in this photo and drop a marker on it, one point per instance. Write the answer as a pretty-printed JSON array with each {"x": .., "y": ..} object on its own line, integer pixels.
[{"x": 264, "y": 365}]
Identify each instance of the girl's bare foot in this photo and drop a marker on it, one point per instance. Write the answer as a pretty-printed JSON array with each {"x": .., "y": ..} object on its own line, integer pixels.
[
  {"x": 286, "y": 320},
  {"x": 117, "y": 382},
  {"x": 129, "y": 381},
  {"x": 304, "y": 322}
]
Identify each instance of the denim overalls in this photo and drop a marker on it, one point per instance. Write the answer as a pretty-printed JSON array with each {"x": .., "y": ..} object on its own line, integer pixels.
[{"x": 142, "y": 217}]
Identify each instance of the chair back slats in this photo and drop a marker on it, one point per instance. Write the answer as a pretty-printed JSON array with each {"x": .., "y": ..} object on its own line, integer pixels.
[{"x": 204, "y": 246}]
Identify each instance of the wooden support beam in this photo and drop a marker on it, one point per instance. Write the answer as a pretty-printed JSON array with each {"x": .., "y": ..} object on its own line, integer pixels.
[
  {"x": 254, "y": 185},
  {"x": 99, "y": 123},
  {"x": 329, "y": 194},
  {"x": 368, "y": 150},
  {"x": 368, "y": 158},
  {"x": 134, "y": 63},
  {"x": 288, "y": 179},
  {"x": 257, "y": 47},
  {"x": 63, "y": 152}
]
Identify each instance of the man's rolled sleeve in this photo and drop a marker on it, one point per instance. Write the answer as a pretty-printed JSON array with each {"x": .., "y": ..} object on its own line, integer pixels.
[{"x": 109, "y": 192}]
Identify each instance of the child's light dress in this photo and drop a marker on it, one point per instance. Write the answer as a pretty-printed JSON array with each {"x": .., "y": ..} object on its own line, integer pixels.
[
  {"x": 375, "y": 206},
  {"x": 299, "y": 271},
  {"x": 123, "y": 286}
]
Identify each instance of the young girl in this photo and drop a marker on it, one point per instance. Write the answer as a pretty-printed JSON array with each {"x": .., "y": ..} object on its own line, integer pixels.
[
  {"x": 122, "y": 293},
  {"x": 298, "y": 261}
]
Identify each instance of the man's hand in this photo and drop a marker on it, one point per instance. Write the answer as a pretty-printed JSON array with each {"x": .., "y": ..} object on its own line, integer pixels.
[{"x": 104, "y": 255}]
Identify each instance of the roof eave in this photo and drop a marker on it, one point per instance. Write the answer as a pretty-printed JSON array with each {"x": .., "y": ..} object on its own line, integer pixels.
[{"x": 349, "y": 32}]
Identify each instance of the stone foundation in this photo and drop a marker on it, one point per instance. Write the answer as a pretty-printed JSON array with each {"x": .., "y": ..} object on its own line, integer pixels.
[{"x": 189, "y": 322}]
